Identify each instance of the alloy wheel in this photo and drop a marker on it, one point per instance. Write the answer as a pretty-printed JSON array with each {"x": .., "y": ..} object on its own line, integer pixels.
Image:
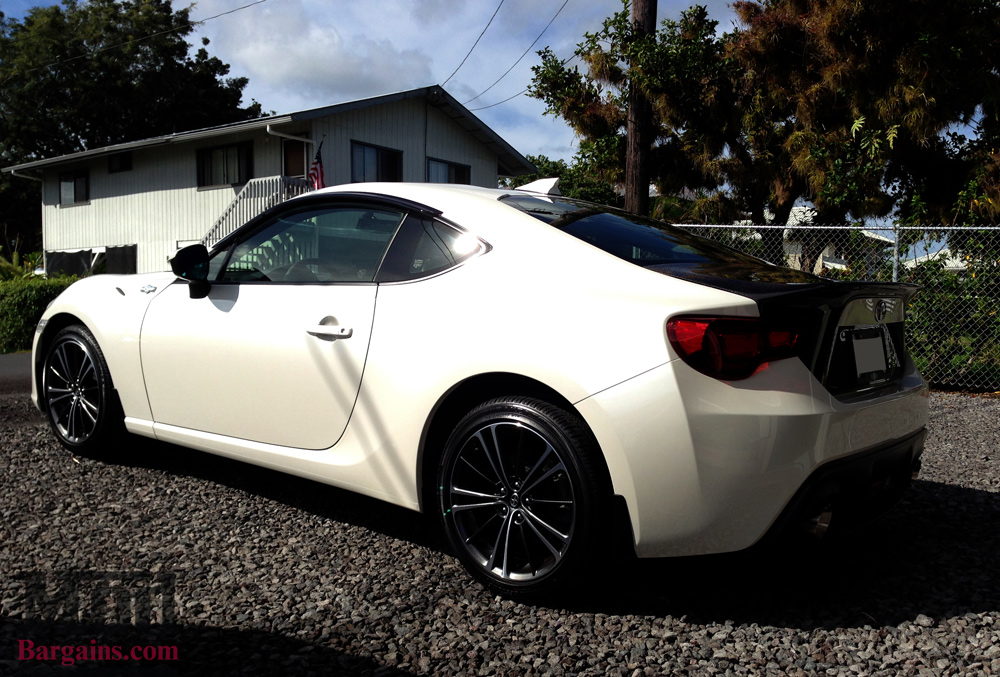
[{"x": 510, "y": 500}]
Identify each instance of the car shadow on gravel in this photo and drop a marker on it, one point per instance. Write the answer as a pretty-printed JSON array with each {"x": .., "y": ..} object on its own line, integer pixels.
[
  {"x": 199, "y": 651},
  {"x": 934, "y": 554},
  {"x": 315, "y": 497}
]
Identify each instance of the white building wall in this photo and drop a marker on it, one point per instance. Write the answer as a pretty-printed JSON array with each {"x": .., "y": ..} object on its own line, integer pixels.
[
  {"x": 411, "y": 126},
  {"x": 158, "y": 204},
  {"x": 155, "y": 205}
]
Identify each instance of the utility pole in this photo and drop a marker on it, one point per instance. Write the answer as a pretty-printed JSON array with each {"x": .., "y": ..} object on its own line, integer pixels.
[{"x": 640, "y": 123}]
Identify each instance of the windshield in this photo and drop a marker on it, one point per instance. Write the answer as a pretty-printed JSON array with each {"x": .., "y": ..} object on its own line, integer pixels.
[{"x": 643, "y": 242}]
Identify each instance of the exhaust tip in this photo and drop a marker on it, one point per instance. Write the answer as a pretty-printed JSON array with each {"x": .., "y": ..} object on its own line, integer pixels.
[{"x": 818, "y": 525}]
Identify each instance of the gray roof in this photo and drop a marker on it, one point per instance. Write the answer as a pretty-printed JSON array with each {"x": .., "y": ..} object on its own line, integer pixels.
[{"x": 509, "y": 161}]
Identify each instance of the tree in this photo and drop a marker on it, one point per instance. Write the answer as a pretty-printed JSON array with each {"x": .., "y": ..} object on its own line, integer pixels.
[
  {"x": 846, "y": 105},
  {"x": 86, "y": 75},
  {"x": 574, "y": 180}
]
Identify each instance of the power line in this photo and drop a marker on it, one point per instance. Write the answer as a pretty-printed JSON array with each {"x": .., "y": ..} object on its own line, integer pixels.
[
  {"x": 523, "y": 91},
  {"x": 500, "y": 102},
  {"x": 475, "y": 43},
  {"x": 565, "y": 2},
  {"x": 190, "y": 24}
]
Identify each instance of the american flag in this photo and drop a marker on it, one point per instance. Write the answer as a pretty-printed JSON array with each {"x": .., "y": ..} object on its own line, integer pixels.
[{"x": 316, "y": 170}]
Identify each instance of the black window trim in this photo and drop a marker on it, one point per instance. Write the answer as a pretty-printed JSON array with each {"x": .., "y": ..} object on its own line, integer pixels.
[
  {"x": 75, "y": 174},
  {"x": 427, "y": 168},
  {"x": 240, "y": 146},
  {"x": 310, "y": 202},
  {"x": 356, "y": 142}
]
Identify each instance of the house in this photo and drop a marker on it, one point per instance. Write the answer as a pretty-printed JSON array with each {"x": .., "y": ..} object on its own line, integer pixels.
[
  {"x": 816, "y": 248},
  {"x": 134, "y": 203}
]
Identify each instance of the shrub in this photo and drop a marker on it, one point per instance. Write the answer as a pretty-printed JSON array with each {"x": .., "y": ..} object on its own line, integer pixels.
[{"x": 22, "y": 302}]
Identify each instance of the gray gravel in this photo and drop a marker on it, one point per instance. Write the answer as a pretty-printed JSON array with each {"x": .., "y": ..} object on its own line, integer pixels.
[{"x": 247, "y": 571}]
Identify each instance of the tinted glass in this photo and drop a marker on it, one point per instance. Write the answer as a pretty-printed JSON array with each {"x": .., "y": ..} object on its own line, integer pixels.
[
  {"x": 425, "y": 247},
  {"x": 643, "y": 242},
  {"x": 342, "y": 244}
]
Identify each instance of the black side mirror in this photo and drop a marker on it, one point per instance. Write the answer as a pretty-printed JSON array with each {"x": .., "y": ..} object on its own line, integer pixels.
[{"x": 191, "y": 264}]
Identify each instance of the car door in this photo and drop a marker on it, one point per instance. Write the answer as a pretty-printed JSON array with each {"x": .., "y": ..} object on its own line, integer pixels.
[{"x": 276, "y": 351}]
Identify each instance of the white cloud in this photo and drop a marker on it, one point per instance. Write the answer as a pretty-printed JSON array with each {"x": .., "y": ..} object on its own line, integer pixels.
[{"x": 301, "y": 54}]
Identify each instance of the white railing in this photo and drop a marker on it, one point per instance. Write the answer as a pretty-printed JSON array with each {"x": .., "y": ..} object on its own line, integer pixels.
[{"x": 256, "y": 196}]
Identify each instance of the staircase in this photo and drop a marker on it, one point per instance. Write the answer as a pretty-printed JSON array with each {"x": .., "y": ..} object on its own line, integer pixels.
[{"x": 256, "y": 196}]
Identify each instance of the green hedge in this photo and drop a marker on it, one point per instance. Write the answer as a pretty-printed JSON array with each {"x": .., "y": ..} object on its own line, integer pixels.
[{"x": 22, "y": 302}]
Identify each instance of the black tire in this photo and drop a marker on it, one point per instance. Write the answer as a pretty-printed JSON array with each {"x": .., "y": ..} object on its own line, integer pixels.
[
  {"x": 79, "y": 398},
  {"x": 524, "y": 496}
]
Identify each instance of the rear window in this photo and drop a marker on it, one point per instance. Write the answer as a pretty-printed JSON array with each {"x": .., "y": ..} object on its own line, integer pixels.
[{"x": 643, "y": 242}]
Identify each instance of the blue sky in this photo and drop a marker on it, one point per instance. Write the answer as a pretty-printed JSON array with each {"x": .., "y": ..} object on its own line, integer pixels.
[{"x": 301, "y": 54}]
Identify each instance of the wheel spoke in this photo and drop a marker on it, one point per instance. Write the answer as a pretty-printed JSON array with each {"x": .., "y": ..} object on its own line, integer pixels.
[
  {"x": 56, "y": 395},
  {"x": 549, "y": 501},
  {"x": 489, "y": 457},
  {"x": 89, "y": 408},
  {"x": 472, "y": 506},
  {"x": 476, "y": 470},
  {"x": 482, "y": 527},
  {"x": 60, "y": 353},
  {"x": 496, "y": 449},
  {"x": 504, "y": 528},
  {"x": 86, "y": 367},
  {"x": 527, "y": 551},
  {"x": 532, "y": 518},
  {"x": 555, "y": 553},
  {"x": 545, "y": 455},
  {"x": 548, "y": 473},
  {"x": 71, "y": 420},
  {"x": 474, "y": 494}
]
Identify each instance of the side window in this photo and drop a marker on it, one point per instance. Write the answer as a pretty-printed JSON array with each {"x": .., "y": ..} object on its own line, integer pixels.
[
  {"x": 425, "y": 247},
  {"x": 327, "y": 244}
]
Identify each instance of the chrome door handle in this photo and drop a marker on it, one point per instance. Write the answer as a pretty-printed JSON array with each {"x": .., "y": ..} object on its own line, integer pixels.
[{"x": 330, "y": 331}]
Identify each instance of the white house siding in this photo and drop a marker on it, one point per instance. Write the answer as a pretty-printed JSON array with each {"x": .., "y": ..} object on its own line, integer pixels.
[
  {"x": 446, "y": 140},
  {"x": 411, "y": 126},
  {"x": 155, "y": 204}
]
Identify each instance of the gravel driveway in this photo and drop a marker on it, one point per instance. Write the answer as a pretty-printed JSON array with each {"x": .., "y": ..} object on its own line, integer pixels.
[{"x": 246, "y": 571}]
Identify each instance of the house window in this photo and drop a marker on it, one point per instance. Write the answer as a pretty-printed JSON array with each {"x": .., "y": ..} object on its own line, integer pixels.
[
  {"x": 293, "y": 158},
  {"x": 439, "y": 171},
  {"x": 225, "y": 165},
  {"x": 120, "y": 162},
  {"x": 371, "y": 163},
  {"x": 74, "y": 187}
]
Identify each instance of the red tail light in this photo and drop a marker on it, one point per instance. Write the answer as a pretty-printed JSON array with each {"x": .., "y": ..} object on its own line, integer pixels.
[{"x": 729, "y": 348}]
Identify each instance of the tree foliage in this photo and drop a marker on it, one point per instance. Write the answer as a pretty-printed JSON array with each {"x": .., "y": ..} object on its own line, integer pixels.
[
  {"x": 853, "y": 107},
  {"x": 79, "y": 76},
  {"x": 574, "y": 180}
]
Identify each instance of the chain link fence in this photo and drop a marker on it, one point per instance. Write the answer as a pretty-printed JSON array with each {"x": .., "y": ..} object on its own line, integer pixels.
[{"x": 953, "y": 323}]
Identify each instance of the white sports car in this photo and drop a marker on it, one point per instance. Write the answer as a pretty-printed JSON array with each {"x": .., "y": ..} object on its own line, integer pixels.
[{"x": 545, "y": 374}]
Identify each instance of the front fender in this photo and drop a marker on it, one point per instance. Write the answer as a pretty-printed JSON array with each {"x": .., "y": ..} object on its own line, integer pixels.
[{"x": 112, "y": 308}]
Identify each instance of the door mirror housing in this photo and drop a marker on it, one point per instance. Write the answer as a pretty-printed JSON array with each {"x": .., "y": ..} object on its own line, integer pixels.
[{"x": 191, "y": 264}]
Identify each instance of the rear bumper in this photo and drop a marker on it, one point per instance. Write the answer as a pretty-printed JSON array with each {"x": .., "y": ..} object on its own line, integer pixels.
[
  {"x": 708, "y": 466},
  {"x": 849, "y": 492}
]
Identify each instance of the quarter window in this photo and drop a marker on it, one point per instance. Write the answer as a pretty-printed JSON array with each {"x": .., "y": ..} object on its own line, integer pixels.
[
  {"x": 439, "y": 171},
  {"x": 319, "y": 244},
  {"x": 74, "y": 187},
  {"x": 425, "y": 247},
  {"x": 225, "y": 165},
  {"x": 372, "y": 163}
]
